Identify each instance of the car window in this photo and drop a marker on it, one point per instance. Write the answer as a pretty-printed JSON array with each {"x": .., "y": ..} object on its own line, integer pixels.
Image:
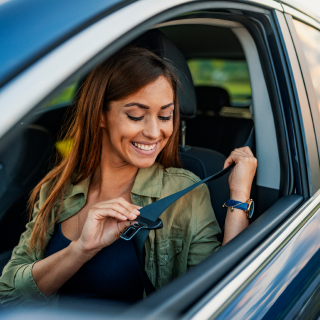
[
  {"x": 231, "y": 75},
  {"x": 310, "y": 40},
  {"x": 63, "y": 99},
  {"x": 65, "y": 96}
]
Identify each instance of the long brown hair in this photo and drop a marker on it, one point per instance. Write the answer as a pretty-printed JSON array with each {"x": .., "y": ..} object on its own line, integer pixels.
[{"x": 123, "y": 74}]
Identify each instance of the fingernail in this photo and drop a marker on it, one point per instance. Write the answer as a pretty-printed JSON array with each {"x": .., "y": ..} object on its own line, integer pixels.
[
  {"x": 132, "y": 215},
  {"x": 136, "y": 211}
]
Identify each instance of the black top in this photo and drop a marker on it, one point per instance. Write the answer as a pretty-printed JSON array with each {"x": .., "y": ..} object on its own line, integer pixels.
[{"x": 113, "y": 273}]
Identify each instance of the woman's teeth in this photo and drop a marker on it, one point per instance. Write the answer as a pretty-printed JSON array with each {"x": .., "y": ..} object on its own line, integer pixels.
[{"x": 146, "y": 147}]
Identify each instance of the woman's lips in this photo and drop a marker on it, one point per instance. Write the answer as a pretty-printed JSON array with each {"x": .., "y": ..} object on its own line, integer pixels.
[{"x": 140, "y": 148}]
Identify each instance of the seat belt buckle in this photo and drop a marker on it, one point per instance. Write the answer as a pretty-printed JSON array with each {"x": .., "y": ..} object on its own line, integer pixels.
[{"x": 141, "y": 223}]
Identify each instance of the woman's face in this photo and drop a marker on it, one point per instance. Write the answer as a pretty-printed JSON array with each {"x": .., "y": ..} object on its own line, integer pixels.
[{"x": 138, "y": 127}]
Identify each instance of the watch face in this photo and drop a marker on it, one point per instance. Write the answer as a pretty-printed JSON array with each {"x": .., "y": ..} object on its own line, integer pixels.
[{"x": 251, "y": 209}]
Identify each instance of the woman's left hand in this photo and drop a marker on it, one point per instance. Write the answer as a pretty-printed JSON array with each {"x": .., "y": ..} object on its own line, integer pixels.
[{"x": 241, "y": 176}]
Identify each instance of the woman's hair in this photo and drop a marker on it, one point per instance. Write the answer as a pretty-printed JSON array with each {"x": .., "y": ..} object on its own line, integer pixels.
[{"x": 121, "y": 75}]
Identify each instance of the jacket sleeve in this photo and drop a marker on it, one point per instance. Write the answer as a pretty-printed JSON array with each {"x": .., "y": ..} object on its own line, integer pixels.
[
  {"x": 205, "y": 228},
  {"x": 17, "y": 286}
]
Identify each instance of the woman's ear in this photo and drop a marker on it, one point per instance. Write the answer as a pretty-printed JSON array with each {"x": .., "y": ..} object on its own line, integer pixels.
[{"x": 103, "y": 120}]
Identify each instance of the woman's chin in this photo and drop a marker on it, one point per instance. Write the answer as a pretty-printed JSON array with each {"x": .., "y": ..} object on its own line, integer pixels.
[{"x": 143, "y": 163}]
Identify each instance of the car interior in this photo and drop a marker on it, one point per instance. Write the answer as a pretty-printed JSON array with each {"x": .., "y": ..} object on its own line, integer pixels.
[{"x": 213, "y": 123}]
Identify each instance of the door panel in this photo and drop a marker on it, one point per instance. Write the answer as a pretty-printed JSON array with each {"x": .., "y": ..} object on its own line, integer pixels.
[{"x": 287, "y": 284}]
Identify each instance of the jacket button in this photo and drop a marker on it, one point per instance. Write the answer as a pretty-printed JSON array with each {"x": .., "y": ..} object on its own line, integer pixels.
[{"x": 135, "y": 197}]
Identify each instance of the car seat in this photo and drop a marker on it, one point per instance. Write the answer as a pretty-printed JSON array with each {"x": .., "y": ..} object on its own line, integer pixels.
[
  {"x": 23, "y": 163},
  {"x": 228, "y": 132}
]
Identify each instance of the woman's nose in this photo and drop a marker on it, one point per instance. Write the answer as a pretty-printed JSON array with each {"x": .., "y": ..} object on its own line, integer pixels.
[{"x": 152, "y": 129}]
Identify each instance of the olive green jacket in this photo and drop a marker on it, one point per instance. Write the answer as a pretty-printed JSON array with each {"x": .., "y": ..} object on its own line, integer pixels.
[{"x": 189, "y": 234}]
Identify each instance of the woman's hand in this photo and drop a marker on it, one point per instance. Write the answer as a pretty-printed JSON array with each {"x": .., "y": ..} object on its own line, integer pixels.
[
  {"x": 105, "y": 222},
  {"x": 241, "y": 176}
]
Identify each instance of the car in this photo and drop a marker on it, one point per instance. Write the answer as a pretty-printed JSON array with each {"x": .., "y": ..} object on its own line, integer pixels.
[{"x": 255, "y": 67}]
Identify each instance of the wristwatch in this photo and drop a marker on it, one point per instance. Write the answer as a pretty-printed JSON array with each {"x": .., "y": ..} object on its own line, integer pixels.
[{"x": 247, "y": 206}]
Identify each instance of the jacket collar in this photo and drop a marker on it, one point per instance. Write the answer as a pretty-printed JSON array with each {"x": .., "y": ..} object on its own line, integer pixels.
[
  {"x": 148, "y": 183},
  {"x": 81, "y": 187}
]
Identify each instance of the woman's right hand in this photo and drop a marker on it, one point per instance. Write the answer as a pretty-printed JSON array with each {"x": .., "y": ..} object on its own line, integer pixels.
[{"x": 105, "y": 222}]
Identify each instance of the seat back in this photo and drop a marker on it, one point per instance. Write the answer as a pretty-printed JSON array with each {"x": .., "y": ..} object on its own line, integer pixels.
[
  {"x": 231, "y": 132},
  {"x": 211, "y": 99},
  {"x": 204, "y": 163},
  {"x": 23, "y": 164}
]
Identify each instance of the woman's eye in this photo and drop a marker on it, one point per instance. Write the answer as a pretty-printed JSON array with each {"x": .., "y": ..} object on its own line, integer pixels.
[
  {"x": 140, "y": 118},
  {"x": 165, "y": 118},
  {"x": 135, "y": 118}
]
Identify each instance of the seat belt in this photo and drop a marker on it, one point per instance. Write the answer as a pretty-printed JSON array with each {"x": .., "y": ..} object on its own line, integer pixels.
[{"x": 149, "y": 219}]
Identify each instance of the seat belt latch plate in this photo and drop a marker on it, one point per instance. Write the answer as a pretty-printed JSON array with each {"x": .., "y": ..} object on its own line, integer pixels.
[{"x": 141, "y": 223}]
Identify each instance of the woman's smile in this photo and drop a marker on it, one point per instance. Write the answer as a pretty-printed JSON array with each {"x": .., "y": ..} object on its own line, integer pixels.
[{"x": 146, "y": 148}]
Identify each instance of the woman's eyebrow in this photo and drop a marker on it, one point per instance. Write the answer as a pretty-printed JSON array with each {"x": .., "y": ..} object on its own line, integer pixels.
[
  {"x": 167, "y": 105},
  {"x": 143, "y": 106}
]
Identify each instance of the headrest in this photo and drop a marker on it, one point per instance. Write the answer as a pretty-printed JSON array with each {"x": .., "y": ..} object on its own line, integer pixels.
[
  {"x": 212, "y": 98},
  {"x": 157, "y": 42}
]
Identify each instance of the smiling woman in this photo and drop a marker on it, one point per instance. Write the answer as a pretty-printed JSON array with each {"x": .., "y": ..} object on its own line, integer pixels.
[
  {"x": 124, "y": 156},
  {"x": 142, "y": 127}
]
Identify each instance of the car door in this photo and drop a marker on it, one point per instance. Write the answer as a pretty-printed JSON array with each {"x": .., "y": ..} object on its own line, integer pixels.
[{"x": 219, "y": 284}]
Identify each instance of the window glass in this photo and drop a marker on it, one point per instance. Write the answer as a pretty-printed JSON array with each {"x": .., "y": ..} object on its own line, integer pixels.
[
  {"x": 65, "y": 96},
  {"x": 310, "y": 40},
  {"x": 232, "y": 75}
]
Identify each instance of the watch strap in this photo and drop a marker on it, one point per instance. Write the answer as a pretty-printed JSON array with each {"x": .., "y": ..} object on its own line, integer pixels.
[{"x": 248, "y": 206}]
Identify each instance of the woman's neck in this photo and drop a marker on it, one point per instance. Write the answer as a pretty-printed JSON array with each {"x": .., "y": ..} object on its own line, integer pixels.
[{"x": 110, "y": 182}]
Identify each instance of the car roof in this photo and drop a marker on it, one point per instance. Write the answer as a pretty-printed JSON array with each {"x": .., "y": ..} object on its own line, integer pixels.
[
  {"x": 34, "y": 27},
  {"x": 31, "y": 28},
  {"x": 305, "y": 7}
]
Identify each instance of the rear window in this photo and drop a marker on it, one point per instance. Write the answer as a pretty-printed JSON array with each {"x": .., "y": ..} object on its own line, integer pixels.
[{"x": 232, "y": 75}]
